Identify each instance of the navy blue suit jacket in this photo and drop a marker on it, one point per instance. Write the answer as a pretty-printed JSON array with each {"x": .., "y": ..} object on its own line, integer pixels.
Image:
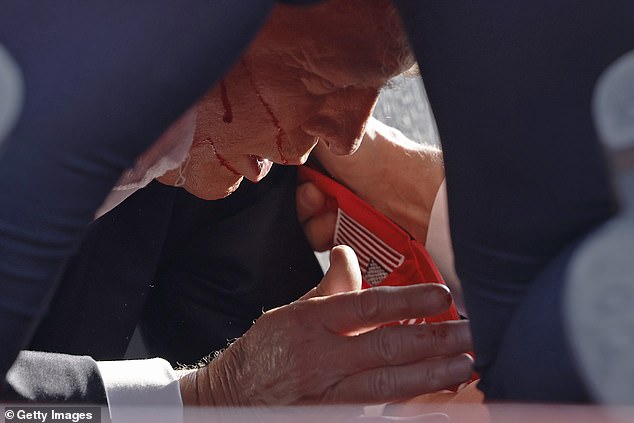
[
  {"x": 100, "y": 84},
  {"x": 193, "y": 274}
]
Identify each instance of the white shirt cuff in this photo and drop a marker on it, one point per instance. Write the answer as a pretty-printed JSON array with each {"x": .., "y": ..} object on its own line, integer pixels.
[{"x": 142, "y": 390}]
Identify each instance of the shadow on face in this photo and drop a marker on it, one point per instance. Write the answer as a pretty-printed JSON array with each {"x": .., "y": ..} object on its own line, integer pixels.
[{"x": 312, "y": 74}]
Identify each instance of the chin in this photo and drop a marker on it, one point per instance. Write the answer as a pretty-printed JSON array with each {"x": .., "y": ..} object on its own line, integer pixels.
[{"x": 213, "y": 191}]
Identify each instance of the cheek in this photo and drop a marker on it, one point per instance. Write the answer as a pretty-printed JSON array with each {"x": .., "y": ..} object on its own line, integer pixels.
[
  {"x": 203, "y": 176},
  {"x": 249, "y": 132},
  {"x": 262, "y": 120},
  {"x": 288, "y": 139}
]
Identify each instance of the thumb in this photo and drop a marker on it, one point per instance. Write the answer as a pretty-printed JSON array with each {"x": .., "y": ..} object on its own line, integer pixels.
[
  {"x": 318, "y": 222},
  {"x": 343, "y": 275}
]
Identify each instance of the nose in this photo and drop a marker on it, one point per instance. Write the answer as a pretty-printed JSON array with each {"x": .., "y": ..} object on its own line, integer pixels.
[{"x": 340, "y": 122}]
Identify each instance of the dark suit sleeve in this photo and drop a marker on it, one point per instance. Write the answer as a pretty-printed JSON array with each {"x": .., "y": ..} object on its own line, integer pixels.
[
  {"x": 103, "y": 288},
  {"x": 47, "y": 377},
  {"x": 224, "y": 262},
  {"x": 511, "y": 88},
  {"x": 101, "y": 82}
]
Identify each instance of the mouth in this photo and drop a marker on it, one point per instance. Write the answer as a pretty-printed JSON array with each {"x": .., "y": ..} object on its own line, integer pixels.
[{"x": 257, "y": 168}]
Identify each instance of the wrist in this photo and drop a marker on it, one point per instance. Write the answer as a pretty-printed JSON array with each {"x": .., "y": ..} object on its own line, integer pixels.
[
  {"x": 211, "y": 385},
  {"x": 187, "y": 381}
]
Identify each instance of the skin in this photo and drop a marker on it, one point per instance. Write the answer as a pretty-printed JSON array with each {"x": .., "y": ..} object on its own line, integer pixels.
[
  {"x": 313, "y": 75},
  {"x": 328, "y": 347},
  {"x": 406, "y": 196}
]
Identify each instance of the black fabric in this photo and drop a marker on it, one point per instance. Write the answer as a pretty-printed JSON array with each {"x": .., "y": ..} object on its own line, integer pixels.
[
  {"x": 46, "y": 377},
  {"x": 536, "y": 361},
  {"x": 104, "y": 285},
  {"x": 102, "y": 81},
  {"x": 511, "y": 87},
  {"x": 305, "y": 2},
  {"x": 225, "y": 262},
  {"x": 203, "y": 270}
]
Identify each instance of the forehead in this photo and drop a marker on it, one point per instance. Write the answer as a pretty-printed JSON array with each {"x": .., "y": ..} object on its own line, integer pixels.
[{"x": 347, "y": 41}]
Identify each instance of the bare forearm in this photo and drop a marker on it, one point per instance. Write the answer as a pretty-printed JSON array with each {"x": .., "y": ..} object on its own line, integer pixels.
[{"x": 396, "y": 175}]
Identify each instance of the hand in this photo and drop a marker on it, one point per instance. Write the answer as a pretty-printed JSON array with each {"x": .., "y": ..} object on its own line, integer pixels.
[
  {"x": 398, "y": 177},
  {"x": 401, "y": 179},
  {"x": 318, "y": 222},
  {"x": 327, "y": 347}
]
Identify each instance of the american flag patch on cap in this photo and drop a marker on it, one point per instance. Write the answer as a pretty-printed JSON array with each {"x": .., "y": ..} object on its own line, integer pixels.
[{"x": 376, "y": 259}]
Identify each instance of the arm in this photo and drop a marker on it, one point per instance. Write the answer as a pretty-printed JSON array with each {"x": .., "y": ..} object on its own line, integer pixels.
[
  {"x": 48, "y": 377},
  {"x": 127, "y": 387},
  {"x": 92, "y": 104},
  {"x": 513, "y": 107},
  {"x": 394, "y": 174},
  {"x": 307, "y": 352},
  {"x": 399, "y": 177}
]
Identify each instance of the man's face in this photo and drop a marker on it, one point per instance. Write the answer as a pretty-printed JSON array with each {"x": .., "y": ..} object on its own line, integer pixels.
[{"x": 312, "y": 75}]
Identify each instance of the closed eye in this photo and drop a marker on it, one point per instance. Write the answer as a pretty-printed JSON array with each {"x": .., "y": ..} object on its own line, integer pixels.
[{"x": 317, "y": 85}]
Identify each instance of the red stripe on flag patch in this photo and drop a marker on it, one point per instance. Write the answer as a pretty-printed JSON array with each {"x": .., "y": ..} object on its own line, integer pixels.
[{"x": 371, "y": 250}]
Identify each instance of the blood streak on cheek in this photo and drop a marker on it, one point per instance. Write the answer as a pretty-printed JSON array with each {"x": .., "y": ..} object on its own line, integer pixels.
[
  {"x": 280, "y": 132},
  {"x": 223, "y": 162}
]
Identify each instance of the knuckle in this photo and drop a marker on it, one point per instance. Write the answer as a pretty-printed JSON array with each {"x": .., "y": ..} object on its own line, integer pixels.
[
  {"x": 438, "y": 341},
  {"x": 438, "y": 338},
  {"x": 287, "y": 317},
  {"x": 267, "y": 318},
  {"x": 387, "y": 346},
  {"x": 462, "y": 335},
  {"x": 383, "y": 384},
  {"x": 367, "y": 305},
  {"x": 449, "y": 337},
  {"x": 430, "y": 377}
]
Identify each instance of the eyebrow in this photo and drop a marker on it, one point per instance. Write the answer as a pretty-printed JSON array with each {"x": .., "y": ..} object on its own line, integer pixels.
[{"x": 370, "y": 72}]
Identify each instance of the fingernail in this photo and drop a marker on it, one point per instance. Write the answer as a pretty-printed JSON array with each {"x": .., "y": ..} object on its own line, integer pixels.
[
  {"x": 461, "y": 367},
  {"x": 444, "y": 293},
  {"x": 448, "y": 296}
]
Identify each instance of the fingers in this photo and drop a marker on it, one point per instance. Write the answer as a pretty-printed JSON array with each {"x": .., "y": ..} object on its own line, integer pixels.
[
  {"x": 310, "y": 201},
  {"x": 299, "y": 353},
  {"x": 343, "y": 274},
  {"x": 318, "y": 223},
  {"x": 399, "y": 345},
  {"x": 392, "y": 383},
  {"x": 320, "y": 230},
  {"x": 352, "y": 312}
]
